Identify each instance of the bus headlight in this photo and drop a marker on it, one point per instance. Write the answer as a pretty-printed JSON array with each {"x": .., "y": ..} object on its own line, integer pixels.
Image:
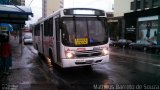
[
  {"x": 69, "y": 55},
  {"x": 105, "y": 52}
]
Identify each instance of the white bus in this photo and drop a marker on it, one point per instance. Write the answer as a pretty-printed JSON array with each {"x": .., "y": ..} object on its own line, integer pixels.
[{"x": 73, "y": 37}]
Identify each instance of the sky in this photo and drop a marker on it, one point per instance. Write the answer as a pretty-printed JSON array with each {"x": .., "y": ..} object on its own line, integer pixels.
[
  {"x": 36, "y": 6},
  {"x": 98, "y": 4}
]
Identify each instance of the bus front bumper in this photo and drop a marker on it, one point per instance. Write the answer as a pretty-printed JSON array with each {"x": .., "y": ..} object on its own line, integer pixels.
[{"x": 66, "y": 63}]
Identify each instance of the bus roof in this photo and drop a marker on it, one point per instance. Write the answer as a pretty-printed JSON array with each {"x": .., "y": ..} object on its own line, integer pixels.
[{"x": 69, "y": 12}]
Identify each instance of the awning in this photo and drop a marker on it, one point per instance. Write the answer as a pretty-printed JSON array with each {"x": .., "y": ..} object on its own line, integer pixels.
[{"x": 14, "y": 14}]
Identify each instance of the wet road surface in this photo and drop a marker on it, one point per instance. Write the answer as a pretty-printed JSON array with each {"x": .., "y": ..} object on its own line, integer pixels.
[
  {"x": 140, "y": 70},
  {"x": 126, "y": 67}
]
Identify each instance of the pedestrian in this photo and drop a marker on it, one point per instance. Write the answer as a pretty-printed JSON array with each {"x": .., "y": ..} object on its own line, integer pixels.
[
  {"x": 5, "y": 54},
  {"x": 0, "y": 55},
  {"x": 15, "y": 37}
]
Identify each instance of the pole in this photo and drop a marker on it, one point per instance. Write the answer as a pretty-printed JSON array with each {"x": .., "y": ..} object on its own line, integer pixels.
[{"x": 21, "y": 39}]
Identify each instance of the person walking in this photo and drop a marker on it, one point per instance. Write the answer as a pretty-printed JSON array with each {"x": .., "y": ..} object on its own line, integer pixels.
[
  {"x": 5, "y": 54},
  {"x": 0, "y": 55}
]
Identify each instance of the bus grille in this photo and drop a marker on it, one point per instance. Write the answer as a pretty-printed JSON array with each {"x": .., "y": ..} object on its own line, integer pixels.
[{"x": 88, "y": 53}]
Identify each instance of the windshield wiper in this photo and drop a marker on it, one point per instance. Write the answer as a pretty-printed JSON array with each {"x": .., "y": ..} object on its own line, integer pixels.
[
  {"x": 87, "y": 29},
  {"x": 74, "y": 25}
]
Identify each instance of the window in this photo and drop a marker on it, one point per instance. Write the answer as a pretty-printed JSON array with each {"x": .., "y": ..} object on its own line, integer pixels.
[
  {"x": 156, "y": 3},
  {"x": 37, "y": 30},
  {"x": 146, "y": 3},
  {"x": 138, "y": 4},
  {"x": 50, "y": 27},
  {"x": 46, "y": 29},
  {"x": 80, "y": 31},
  {"x": 132, "y": 6}
]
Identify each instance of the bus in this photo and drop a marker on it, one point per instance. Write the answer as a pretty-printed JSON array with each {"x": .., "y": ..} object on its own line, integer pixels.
[{"x": 73, "y": 37}]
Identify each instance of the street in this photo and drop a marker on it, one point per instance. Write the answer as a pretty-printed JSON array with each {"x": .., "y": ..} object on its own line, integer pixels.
[
  {"x": 30, "y": 71},
  {"x": 123, "y": 34},
  {"x": 125, "y": 67}
]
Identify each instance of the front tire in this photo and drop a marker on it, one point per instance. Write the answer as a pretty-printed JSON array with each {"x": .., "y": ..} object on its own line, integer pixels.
[
  {"x": 51, "y": 57},
  {"x": 88, "y": 68}
]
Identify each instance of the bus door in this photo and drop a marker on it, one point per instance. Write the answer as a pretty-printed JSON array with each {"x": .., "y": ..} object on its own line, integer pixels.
[
  {"x": 58, "y": 50},
  {"x": 42, "y": 31}
]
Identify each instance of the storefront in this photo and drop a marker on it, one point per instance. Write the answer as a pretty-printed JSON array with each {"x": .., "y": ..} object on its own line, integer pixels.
[
  {"x": 115, "y": 27},
  {"x": 148, "y": 28},
  {"x": 143, "y": 24}
]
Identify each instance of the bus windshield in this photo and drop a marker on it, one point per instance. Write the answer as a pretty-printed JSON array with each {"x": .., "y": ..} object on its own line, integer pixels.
[{"x": 80, "y": 31}]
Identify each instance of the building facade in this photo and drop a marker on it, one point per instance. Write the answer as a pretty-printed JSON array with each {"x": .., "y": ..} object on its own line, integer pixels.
[
  {"x": 11, "y": 2},
  {"x": 22, "y": 2},
  {"x": 4, "y": 2},
  {"x": 121, "y": 7},
  {"x": 117, "y": 24},
  {"x": 144, "y": 21},
  {"x": 50, "y": 6},
  {"x": 136, "y": 19}
]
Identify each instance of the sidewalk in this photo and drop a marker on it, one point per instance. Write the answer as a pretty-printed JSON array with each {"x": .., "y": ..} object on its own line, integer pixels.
[
  {"x": 16, "y": 55},
  {"x": 26, "y": 72}
]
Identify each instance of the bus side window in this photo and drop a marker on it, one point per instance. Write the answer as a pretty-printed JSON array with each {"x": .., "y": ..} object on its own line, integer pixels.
[
  {"x": 57, "y": 23},
  {"x": 50, "y": 27},
  {"x": 57, "y": 29},
  {"x": 64, "y": 31},
  {"x": 65, "y": 35}
]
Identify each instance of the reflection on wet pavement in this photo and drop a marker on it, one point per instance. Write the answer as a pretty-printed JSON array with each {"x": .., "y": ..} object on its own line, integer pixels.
[{"x": 124, "y": 67}]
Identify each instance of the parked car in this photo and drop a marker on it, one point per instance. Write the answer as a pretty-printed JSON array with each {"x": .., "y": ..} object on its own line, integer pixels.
[
  {"x": 27, "y": 39},
  {"x": 154, "y": 48},
  {"x": 123, "y": 43},
  {"x": 112, "y": 42},
  {"x": 157, "y": 49},
  {"x": 143, "y": 45}
]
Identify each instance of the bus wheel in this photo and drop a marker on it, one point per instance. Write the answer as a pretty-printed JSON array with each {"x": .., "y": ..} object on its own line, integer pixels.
[
  {"x": 88, "y": 68},
  {"x": 37, "y": 47}
]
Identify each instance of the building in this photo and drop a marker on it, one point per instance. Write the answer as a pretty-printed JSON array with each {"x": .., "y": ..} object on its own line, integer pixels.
[
  {"x": 121, "y": 7},
  {"x": 22, "y": 2},
  {"x": 144, "y": 21},
  {"x": 49, "y": 6},
  {"x": 136, "y": 19},
  {"x": 11, "y": 2},
  {"x": 4, "y": 2},
  {"x": 117, "y": 23}
]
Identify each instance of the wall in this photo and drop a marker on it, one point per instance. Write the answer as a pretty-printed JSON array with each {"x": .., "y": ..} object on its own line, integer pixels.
[
  {"x": 49, "y": 6},
  {"x": 52, "y": 5},
  {"x": 121, "y": 7}
]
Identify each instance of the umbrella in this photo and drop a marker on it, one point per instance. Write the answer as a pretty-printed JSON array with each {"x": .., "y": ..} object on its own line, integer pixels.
[{"x": 6, "y": 27}]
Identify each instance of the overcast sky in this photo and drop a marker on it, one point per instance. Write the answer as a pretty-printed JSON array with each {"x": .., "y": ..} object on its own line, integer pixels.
[
  {"x": 98, "y": 4},
  {"x": 36, "y": 6}
]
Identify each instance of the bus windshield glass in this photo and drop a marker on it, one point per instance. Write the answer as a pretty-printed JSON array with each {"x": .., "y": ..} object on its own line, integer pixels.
[{"x": 80, "y": 31}]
